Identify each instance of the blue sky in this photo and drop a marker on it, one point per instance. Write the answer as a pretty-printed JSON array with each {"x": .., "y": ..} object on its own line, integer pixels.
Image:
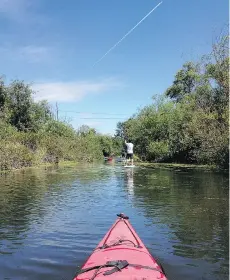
[{"x": 54, "y": 44}]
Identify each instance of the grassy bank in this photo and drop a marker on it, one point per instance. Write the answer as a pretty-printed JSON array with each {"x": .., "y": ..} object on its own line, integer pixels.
[
  {"x": 24, "y": 149},
  {"x": 178, "y": 166},
  {"x": 44, "y": 165}
]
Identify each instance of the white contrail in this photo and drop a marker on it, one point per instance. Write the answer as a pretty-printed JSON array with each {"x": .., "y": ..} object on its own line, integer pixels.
[{"x": 127, "y": 33}]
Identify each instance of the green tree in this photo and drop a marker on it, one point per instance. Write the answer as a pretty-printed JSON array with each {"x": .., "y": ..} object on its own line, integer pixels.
[
  {"x": 20, "y": 104},
  {"x": 3, "y": 95},
  {"x": 185, "y": 82},
  {"x": 40, "y": 115},
  {"x": 59, "y": 129},
  {"x": 192, "y": 126}
]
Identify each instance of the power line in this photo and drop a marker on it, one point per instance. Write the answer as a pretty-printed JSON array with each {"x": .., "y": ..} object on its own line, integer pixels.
[
  {"x": 102, "y": 118},
  {"x": 93, "y": 113},
  {"x": 57, "y": 110}
]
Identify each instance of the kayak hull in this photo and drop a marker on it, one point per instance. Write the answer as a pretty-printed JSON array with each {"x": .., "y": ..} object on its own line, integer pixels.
[
  {"x": 121, "y": 243},
  {"x": 108, "y": 158}
]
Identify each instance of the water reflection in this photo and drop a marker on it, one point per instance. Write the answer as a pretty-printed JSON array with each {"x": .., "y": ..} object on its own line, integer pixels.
[
  {"x": 130, "y": 181},
  {"x": 194, "y": 206}
]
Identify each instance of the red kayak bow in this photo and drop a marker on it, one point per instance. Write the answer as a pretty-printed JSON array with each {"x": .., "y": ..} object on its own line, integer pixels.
[{"x": 121, "y": 255}]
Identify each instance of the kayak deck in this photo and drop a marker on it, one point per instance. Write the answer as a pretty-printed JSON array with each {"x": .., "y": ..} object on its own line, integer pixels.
[{"x": 121, "y": 255}]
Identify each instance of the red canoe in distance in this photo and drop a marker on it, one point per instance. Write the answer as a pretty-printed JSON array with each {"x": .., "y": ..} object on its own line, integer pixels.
[
  {"x": 121, "y": 255},
  {"x": 108, "y": 158}
]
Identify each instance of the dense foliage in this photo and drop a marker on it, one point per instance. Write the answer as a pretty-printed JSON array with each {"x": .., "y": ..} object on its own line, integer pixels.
[
  {"x": 30, "y": 134},
  {"x": 188, "y": 123}
]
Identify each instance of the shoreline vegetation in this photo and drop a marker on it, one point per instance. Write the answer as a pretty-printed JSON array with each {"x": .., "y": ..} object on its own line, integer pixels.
[
  {"x": 186, "y": 126},
  {"x": 151, "y": 165},
  {"x": 189, "y": 122},
  {"x": 181, "y": 166}
]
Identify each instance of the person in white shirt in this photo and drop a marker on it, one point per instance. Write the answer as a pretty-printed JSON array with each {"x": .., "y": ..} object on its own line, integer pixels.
[{"x": 129, "y": 151}]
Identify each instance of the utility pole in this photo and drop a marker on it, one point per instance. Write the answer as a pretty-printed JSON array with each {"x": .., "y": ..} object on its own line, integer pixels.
[{"x": 57, "y": 110}]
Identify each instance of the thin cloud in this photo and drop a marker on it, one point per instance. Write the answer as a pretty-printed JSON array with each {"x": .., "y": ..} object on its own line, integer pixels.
[
  {"x": 14, "y": 9},
  {"x": 70, "y": 91},
  {"x": 29, "y": 53},
  {"x": 34, "y": 53},
  {"x": 24, "y": 12}
]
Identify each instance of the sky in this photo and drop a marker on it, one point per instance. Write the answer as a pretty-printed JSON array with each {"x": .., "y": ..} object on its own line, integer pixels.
[{"x": 53, "y": 45}]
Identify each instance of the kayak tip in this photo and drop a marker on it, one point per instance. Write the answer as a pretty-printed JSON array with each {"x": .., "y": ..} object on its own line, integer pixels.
[{"x": 123, "y": 216}]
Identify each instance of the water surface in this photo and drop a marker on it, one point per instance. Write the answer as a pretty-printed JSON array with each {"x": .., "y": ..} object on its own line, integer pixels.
[{"x": 51, "y": 219}]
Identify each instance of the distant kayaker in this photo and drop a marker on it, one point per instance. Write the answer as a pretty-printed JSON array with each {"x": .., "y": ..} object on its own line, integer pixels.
[
  {"x": 129, "y": 150},
  {"x": 105, "y": 154}
]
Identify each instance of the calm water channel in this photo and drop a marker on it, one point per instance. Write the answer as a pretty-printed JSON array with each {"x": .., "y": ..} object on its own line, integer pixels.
[{"x": 51, "y": 220}]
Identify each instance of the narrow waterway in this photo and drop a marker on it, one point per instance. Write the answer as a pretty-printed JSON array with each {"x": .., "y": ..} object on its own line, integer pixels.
[{"x": 51, "y": 219}]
